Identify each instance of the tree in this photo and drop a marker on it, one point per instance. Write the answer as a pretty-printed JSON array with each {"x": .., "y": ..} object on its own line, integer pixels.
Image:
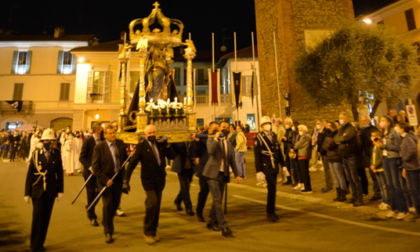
[{"x": 357, "y": 56}]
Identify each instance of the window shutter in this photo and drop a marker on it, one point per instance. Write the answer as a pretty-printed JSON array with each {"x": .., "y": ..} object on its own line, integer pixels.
[
  {"x": 65, "y": 92},
  {"x": 60, "y": 62},
  {"x": 18, "y": 92},
  {"x": 107, "y": 86},
  {"x": 14, "y": 63},
  {"x": 411, "y": 22},
  {"x": 28, "y": 62},
  {"x": 73, "y": 64},
  {"x": 89, "y": 86}
]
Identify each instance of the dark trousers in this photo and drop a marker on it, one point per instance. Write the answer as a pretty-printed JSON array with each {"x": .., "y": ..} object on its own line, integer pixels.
[
  {"x": 364, "y": 181},
  {"x": 413, "y": 179},
  {"x": 202, "y": 195},
  {"x": 92, "y": 192},
  {"x": 296, "y": 170},
  {"x": 41, "y": 219},
  {"x": 151, "y": 220},
  {"x": 304, "y": 171},
  {"x": 13, "y": 154},
  {"x": 327, "y": 173},
  {"x": 185, "y": 178},
  {"x": 376, "y": 187},
  {"x": 111, "y": 200},
  {"x": 352, "y": 175},
  {"x": 217, "y": 187},
  {"x": 271, "y": 196},
  {"x": 291, "y": 168}
]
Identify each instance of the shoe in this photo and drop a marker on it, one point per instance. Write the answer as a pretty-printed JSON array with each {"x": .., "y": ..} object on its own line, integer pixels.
[
  {"x": 375, "y": 198},
  {"x": 190, "y": 212},
  {"x": 306, "y": 191},
  {"x": 79, "y": 171},
  {"x": 312, "y": 169},
  {"x": 178, "y": 206},
  {"x": 401, "y": 215},
  {"x": 342, "y": 196},
  {"x": 412, "y": 209},
  {"x": 213, "y": 227},
  {"x": 200, "y": 218},
  {"x": 226, "y": 232},
  {"x": 391, "y": 214},
  {"x": 338, "y": 194},
  {"x": 358, "y": 203},
  {"x": 287, "y": 183},
  {"x": 295, "y": 184},
  {"x": 384, "y": 206},
  {"x": 157, "y": 239},
  {"x": 94, "y": 223},
  {"x": 108, "y": 238},
  {"x": 149, "y": 239},
  {"x": 412, "y": 217},
  {"x": 41, "y": 248},
  {"x": 298, "y": 187},
  {"x": 273, "y": 217},
  {"x": 120, "y": 213},
  {"x": 325, "y": 190}
]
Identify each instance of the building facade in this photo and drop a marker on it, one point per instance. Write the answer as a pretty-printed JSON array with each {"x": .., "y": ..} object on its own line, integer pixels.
[{"x": 40, "y": 72}]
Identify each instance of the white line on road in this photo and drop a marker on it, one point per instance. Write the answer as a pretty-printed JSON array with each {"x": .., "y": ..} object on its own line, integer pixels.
[{"x": 333, "y": 218}]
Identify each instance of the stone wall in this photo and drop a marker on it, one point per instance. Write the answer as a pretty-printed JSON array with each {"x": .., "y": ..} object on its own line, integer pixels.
[{"x": 290, "y": 19}]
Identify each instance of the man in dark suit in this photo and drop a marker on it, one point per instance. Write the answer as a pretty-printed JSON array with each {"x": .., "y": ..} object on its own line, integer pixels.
[
  {"x": 268, "y": 155},
  {"x": 199, "y": 151},
  {"x": 44, "y": 182},
  {"x": 108, "y": 156},
  {"x": 86, "y": 159},
  {"x": 151, "y": 154},
  {"x": 183, "y": 165},
  {"x": 216, "y": 170}
]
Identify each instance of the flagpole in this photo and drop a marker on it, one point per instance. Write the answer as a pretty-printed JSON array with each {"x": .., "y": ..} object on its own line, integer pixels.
[
  {"x": 277, "y": 70},
  {"x": 211, "y": 84},
  {"x": 236, "y": 70},
  {"x": 256, "y": 84}
]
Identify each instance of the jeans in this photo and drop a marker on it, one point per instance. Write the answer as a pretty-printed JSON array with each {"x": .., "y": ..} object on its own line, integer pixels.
[
  {"x": 377, "y": 191},
  {"x": 404, "y": 186},
  {"x": 240, "y": 162},
  {"x": 413, "y": 179},
  {"x": 393, "y": 181},
  {"x": 327, "y": 173},
  {"x": 352, "y": 174},
  {"x": 185, "y": 178},
  {"x": 304, "y": 171},
  {"x": 380, "y": 178},
  {"x": 337, "y": 170}
]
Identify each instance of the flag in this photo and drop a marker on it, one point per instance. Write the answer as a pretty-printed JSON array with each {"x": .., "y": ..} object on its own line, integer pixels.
[
  {"x": 16, "y": 104},
  {"x": 214, "y": 90},
  {"x": 134, "y": 106},
  {"x": 251, "y": 91},
  {"x": 237, "y": 88}
]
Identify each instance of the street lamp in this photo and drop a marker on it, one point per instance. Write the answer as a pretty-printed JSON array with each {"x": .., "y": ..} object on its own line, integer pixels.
[
  {"x": 97, "y": 115},
  {"x": 81, "y": 59},
  {"x": 367, "y": 21}
]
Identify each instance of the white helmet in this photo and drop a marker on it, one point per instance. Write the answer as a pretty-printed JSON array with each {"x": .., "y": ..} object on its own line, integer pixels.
[
  {"x": 48, "y": 134},
  {"x": 265, "y": 119}
]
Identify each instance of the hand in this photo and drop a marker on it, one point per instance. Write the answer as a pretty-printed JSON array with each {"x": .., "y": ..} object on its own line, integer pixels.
[
  {"x": 284, "y": 138},
  {"x": 238, "y": 180},
  {"x": 292, "y": 150},
  {"x": 27, "y": 199},
  {"x": 319, "y": 154},
  {"x": 91, "y": 170},
  {"x": 196, "y": 161},
  {"x": 131, "y": 154},
  {"x": 126, "y": 187},
  {"x": 109, "y": 183},
  {"x": 59, "y": 196},
  {"x": 260, "y": 177},
  {"x": 404, "y": 173},
  {"x": 217, "y": 135},
  {"x": 345, "y": 134}
]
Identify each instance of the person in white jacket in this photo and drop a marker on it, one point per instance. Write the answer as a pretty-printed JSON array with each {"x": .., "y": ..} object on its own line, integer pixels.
[
  {"x": 70, "y": 150},
  {"x": 79, "y": 142},
  {"x": 34, "y": 142}
]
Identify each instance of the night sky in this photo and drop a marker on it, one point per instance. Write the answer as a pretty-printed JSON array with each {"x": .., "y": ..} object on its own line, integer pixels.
[{"x": 107, "y": 19}]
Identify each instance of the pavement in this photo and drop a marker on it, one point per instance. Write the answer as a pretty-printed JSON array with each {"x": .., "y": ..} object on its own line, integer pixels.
[{"x": 307, "y": 222}]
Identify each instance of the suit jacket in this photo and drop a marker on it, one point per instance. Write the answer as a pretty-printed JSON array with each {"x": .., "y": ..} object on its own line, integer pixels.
[
  {"x": 212, "y": 168},
  {"x": 86, "y": 155},
  {"x": 199, "y": 149},
  {"x": 103, "y": 163},
  {"x": 262, "y": 161},
  {"x": 152, "y": 174},
  {"x": 180, "y": 149},
  {"x": 34, "y": 186}
]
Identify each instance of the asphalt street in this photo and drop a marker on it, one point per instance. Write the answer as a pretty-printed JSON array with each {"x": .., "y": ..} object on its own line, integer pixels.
[{"x": 303, "y": 225}]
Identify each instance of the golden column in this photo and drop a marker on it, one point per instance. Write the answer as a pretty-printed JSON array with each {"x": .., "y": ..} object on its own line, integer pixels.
[
  {"x": 124, "y": 54},
  {"x": 142, "y": 116},
  {"x": 189, "y": 56}
]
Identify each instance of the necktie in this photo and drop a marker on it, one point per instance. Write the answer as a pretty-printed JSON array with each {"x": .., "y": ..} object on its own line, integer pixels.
[
  {"x": 117, "y": 157},
  {"x": 225, "y": 163},
  {"x": 155, "y": 151},
  {"x": 269, "y": 137}
]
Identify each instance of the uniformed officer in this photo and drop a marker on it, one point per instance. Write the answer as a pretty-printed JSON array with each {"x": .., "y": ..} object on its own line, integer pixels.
[
  {"x": 268, "y": 155},
  {"x": 44, "y": 183},
  {"x": 151, "y": 154}
]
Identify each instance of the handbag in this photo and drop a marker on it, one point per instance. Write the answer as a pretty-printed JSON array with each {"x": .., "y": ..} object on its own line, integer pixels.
[{"x": 292, "y": 155}]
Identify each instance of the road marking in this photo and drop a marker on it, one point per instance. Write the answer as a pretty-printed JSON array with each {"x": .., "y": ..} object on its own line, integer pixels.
[{"x": 333, "y": 218}]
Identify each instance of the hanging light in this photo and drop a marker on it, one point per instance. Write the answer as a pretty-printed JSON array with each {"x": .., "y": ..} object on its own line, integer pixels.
[{"x": 97, "y": 115}]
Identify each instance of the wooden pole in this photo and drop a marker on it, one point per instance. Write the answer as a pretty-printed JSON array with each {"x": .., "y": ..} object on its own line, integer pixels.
[
  {"x": 277, "y": 70},
  {"x": 236, "y": 70}
]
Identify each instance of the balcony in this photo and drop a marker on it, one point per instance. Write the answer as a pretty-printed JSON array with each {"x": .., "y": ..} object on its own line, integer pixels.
[
  {"x": 225, "y": 99},
  {"x": 10, "y": 109}
]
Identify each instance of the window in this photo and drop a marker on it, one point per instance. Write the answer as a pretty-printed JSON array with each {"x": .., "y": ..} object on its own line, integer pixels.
[
  {"x": 66, "y": 62},
  {"x": 246, "y": 84},
  {"x": 200, "y": 77},
  {"x": 98, "y": 88},
  {"x": 411, "y": 22},
  {"x": 21, "y": 62},
  {"x": 250, "y": 120},
  {"x": 134, "y": 78},
  {"x": 201, "y": 92},
  {"x": 200, "y": 122},
  {"x": 65, "y": 92},
  {"x": 177, "y": 76},
  {"x": 18, "y": 92},
  {"x": 13, "y": 125}
]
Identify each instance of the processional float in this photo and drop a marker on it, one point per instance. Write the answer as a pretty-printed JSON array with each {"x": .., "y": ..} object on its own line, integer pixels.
[{"x": 156, "y": 100}]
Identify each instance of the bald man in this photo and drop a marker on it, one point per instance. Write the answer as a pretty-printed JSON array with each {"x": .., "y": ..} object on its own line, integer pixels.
[{"x": 151, "y": 154}]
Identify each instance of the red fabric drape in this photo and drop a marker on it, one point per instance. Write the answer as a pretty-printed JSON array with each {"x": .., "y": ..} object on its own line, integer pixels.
[{"x": 214, "y": 93}]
